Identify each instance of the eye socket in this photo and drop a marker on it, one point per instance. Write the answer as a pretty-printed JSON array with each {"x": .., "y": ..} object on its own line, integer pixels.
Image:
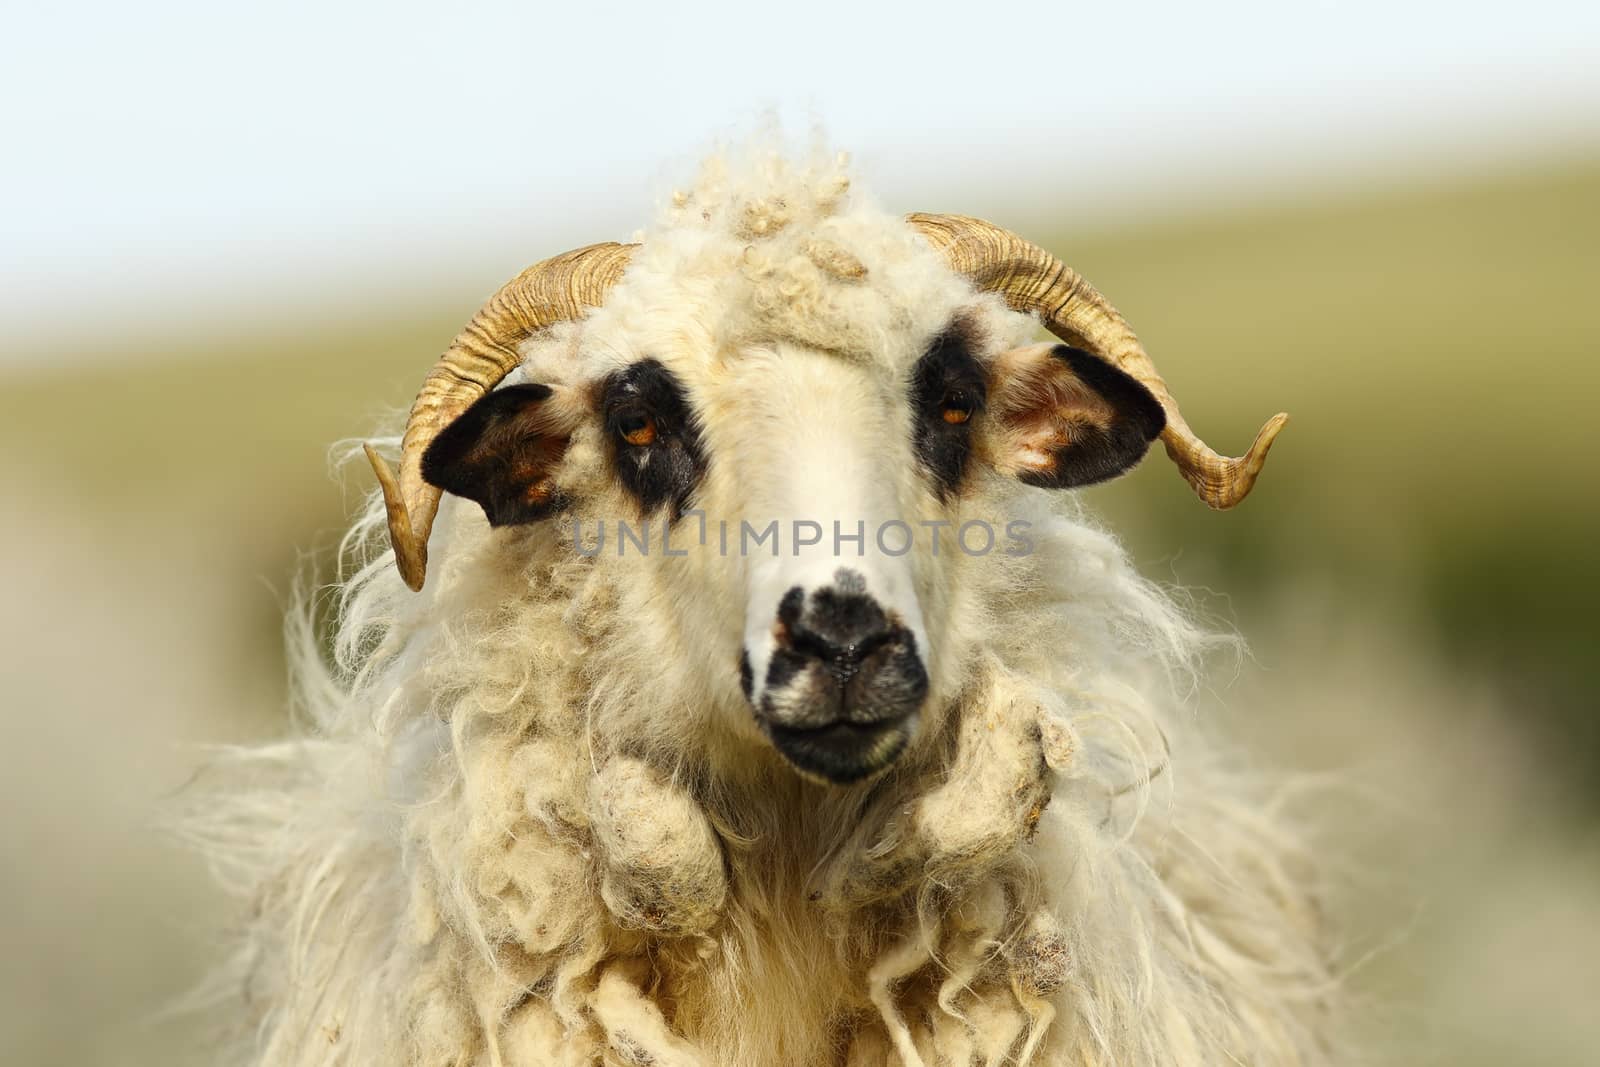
[
  {"x": 958, "y": 406},
  {"x": 637, "y": 428}
]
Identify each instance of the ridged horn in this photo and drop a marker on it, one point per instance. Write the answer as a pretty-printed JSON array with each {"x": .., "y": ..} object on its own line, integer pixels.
[
  {"x": 1032, "y": 280},
  {"x": 559, "y": 289}
]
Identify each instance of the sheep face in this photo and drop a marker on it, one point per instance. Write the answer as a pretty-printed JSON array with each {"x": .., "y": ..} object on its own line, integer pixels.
[{"x": 791, "y": 437}]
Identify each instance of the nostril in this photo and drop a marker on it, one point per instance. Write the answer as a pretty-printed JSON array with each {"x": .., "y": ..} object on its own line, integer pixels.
[
  {"x": 866, "y": 646},
  {"x": 810, "y": 643}
]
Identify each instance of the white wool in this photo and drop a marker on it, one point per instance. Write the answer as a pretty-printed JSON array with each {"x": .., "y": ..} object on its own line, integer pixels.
[{"x": 517, "y": 830}]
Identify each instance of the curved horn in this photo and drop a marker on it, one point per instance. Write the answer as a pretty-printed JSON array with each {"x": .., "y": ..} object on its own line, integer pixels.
[
  {"x": 1033, "y": 280},
  {"x": 485, "y": 351}
]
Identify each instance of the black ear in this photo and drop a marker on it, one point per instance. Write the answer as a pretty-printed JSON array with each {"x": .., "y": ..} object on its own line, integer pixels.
[
  {"x": 502, "y": 452},
  {"x": 1068, "y": 418}
]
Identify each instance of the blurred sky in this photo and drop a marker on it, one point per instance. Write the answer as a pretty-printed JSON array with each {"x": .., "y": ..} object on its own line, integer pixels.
[{"x": 188, "y": 162}]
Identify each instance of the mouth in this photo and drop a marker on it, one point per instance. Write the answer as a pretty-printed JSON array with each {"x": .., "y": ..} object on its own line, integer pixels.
[{"x": 841, "y": 752}]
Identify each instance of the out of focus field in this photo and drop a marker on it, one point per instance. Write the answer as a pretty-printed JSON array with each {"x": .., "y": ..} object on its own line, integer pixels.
[{"x": 1415, "y": 575}]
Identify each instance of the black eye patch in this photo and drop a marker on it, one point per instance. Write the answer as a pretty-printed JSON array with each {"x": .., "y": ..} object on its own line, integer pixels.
[
  {"x": 654, "y": 436},
  {"x": 948, "y": 391}
]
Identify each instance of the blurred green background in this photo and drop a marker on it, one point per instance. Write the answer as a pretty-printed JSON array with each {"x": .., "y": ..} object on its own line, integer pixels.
[{"x": 1414, "y": 573}]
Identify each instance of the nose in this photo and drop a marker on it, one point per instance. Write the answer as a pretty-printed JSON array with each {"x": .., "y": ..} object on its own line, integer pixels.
[
  {"x": 843, "y": 684},
  {"x": 838, "y": 627}
]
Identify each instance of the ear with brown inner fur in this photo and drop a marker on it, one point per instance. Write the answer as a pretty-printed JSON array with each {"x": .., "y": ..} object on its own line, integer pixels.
[
  {"x": 1061, "y": 418},
  {"x": 502, "y": 452}
]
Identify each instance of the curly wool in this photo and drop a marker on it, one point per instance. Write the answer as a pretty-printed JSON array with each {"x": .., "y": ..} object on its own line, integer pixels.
[{"x": 476, "y": 855}]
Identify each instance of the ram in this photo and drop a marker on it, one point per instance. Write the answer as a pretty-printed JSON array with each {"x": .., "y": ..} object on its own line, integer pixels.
[{"x": 750, "y": 691}]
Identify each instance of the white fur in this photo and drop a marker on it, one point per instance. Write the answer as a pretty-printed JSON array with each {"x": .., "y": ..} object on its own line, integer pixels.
[{"x": 530, "y": 820}]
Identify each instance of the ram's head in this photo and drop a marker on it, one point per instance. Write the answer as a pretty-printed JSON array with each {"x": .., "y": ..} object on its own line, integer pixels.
[{"x": 817, "y": 400}]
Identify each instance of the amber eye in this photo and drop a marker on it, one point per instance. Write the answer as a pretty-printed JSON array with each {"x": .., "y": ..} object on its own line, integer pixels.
[
  {"x": 958, "y": 407},
  {"x": 637, "y": 429}
]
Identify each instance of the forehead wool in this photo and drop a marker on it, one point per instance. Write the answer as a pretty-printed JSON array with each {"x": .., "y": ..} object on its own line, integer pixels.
[{"x": 763, "y": 249}]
